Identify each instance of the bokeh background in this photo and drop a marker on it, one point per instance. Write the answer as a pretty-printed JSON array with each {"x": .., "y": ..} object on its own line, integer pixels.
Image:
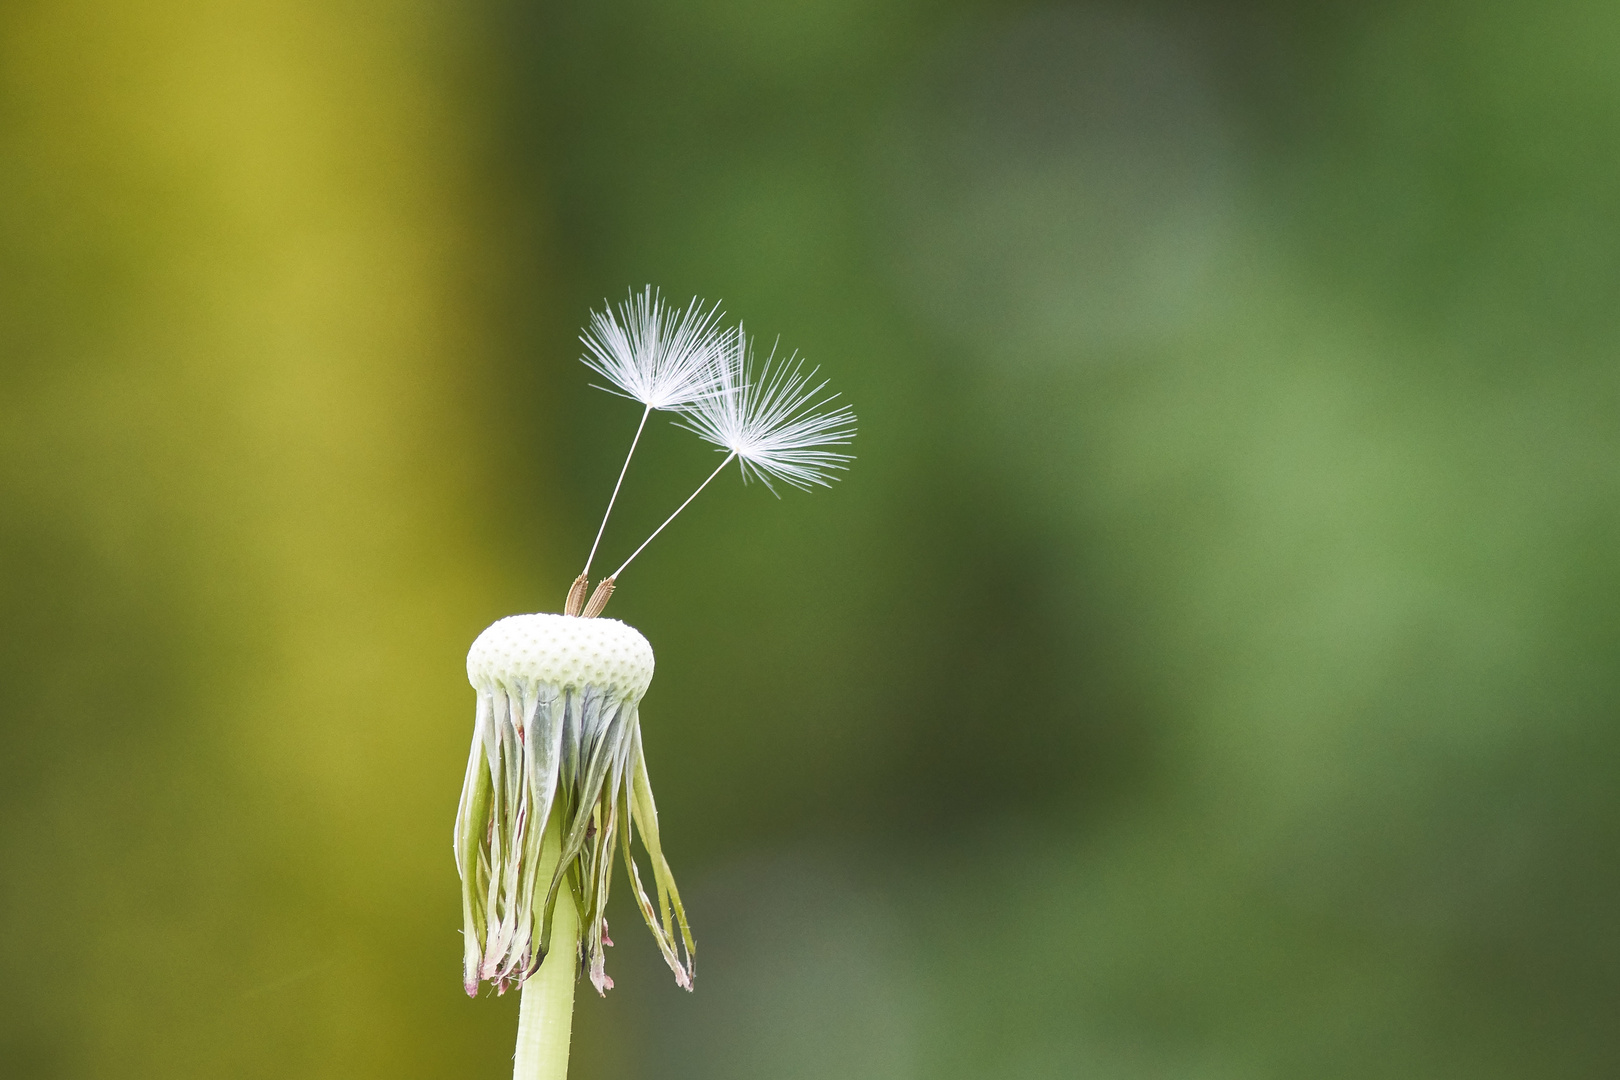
[{"x": 1206, "y": 671}]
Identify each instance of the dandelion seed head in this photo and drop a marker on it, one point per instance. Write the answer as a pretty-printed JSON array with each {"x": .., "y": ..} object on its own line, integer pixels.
[
  {"x": 556, "y": 749},
  {"x": 650, "y": 352},
  {"x": 774, "y": 416}
]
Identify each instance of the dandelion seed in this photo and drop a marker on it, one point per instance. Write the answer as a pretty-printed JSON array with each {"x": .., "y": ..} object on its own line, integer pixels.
[
  {"x": 658, "y": 355},
  {"x": 772, "y": 419}
]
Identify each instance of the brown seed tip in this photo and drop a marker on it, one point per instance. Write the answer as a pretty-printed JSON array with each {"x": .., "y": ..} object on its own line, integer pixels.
[
  {"x": 576, "y": 595},
  {"x": 599, "y": 598}
]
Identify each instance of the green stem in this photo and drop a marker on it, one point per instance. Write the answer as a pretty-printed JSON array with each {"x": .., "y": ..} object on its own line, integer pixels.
[{"x": 546, "y": 1012}]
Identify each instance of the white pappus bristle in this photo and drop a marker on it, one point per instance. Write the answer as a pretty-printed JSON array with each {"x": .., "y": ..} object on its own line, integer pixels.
[
  {"x": 772, "y": 416},
  {"x": 658, "y": 355}
]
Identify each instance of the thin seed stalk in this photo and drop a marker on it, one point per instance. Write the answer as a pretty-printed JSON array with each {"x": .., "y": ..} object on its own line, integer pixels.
[
  {"x": 546, "y": 1011},
  {"x": 615, "y": 575}
]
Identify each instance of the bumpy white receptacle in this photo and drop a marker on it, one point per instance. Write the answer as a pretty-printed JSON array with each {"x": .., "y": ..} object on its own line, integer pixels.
[
  {"x": 562, "y": 651},
  {"x": 557, "y": 742}
]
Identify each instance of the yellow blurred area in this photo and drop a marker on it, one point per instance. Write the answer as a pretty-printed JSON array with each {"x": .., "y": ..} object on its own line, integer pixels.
[{"x": 244, "y": 389}]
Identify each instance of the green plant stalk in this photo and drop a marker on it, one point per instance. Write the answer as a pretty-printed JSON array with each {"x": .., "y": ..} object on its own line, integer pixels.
[{"x": 546, "y": 1011}]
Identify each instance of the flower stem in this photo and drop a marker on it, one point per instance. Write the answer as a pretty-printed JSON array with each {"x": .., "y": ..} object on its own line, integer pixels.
[{"x": 546, "y": 1012}]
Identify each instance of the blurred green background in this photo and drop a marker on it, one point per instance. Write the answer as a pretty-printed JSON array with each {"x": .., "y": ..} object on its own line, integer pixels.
[{"x": 1206, "y": 671}]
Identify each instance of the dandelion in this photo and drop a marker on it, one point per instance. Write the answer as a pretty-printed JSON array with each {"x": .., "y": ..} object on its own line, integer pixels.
[
  {"x": 556, "y": 777},
  {"x": 657, "y": 355}
]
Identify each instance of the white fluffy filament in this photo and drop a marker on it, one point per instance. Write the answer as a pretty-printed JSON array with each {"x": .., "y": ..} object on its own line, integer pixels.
[
  {"x": 772, "y": 418},
  {"x": 654, "y": 354}
]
